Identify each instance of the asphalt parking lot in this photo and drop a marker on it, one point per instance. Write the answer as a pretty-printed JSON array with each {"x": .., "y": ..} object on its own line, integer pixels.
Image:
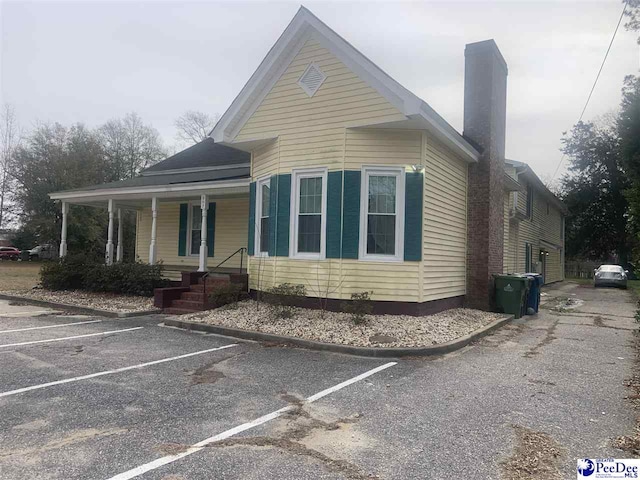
[{"x": 95, "y": 398}]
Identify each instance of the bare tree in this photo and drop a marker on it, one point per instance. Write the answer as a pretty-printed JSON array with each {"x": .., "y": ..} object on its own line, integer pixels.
[
  {"x": 130, "y": 146},
  {"x": 553, "y": 184},
  {"x": 194, "y": 127},
  {"x": 9, "y": 142}
]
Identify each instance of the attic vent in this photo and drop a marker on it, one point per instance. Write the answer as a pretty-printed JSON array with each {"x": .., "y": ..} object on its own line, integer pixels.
[{"x": 311, "y": 79}]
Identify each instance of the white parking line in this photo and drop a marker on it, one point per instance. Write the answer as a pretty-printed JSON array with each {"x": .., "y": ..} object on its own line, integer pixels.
[
  {"x": 49, "y": 326},
  {"x": 110, "y": 372},
  {"x": 25, "y": 314},
  {"x": 241, "y": 428},
  {"x": 69, "y": 338}
]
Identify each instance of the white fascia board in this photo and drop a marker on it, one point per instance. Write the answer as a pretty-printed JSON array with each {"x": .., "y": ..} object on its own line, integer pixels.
[
  {"x": 263, "y": 75},
  {"x": 447, "y": 133},
  {"x": 154, "y": 190}
]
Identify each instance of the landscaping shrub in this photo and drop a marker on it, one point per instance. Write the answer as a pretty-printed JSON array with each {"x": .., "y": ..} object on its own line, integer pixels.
[
  {"x": 80, "y": 273},
  {"x": 225, "y": 294},
  {"x": 68, "y": 274},
  {"x": 282, "y": 299},
  {"x": 125, "y": 278},
  {"x": 359, "y": 307}
]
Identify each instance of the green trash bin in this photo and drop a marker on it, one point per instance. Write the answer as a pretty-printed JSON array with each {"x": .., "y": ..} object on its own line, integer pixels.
[{"x": 511, "y": 293}]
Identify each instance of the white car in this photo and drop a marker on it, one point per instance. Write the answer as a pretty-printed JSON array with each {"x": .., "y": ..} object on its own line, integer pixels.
[{"x": 610, "y": 276}]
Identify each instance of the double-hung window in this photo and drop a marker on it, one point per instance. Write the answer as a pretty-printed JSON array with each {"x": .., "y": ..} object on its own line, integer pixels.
[
  {"x": 263, "y": 202},
  {"x": 308, "y": 213},
  {"x": 382, "y": 214}
]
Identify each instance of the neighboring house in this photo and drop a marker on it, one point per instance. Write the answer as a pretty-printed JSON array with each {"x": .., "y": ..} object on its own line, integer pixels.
[
  {"x": 6, "y": 237},
  {"x": 534, "y": 226},
  {"x": 339, "y": 179}
]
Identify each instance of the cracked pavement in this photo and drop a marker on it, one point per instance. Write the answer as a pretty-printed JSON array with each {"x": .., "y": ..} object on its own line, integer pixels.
[{"x": 524, "y": 402}]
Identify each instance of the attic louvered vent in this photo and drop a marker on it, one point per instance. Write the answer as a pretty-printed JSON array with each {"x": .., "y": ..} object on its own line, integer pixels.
[{"x": 311, "y": 79}]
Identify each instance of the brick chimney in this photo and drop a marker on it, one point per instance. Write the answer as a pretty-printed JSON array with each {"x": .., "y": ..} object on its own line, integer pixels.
[{"x": 485, "y": 105}]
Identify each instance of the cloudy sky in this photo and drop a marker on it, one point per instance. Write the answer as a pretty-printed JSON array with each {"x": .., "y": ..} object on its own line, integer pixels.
[{"x": 90, "y": 61}]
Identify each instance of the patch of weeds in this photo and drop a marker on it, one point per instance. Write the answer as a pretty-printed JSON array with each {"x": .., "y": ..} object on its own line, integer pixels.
[
  {"x": 282, "y": 299},
  {"x": 359, "y": 307}
]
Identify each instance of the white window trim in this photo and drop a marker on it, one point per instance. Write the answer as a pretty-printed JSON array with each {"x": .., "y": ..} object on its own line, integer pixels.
[
  {"x": 296, "y": 175},
  {"x": 258, "y": 217},
  {"x": 192, "y": 204},
  {"x": 399, "y": 172}
]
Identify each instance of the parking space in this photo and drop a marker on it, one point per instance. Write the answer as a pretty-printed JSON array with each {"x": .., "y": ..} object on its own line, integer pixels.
[
  {"x": 111, "y": 395},
  {"x": 127, "y": 398}
]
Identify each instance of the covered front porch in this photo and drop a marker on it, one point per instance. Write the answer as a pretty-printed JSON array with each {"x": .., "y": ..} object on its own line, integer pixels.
[{"x": 197, "y": 226}]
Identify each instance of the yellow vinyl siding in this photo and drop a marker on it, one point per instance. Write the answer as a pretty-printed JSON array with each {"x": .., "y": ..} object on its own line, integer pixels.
[
  {"x": 265, "y": 160},
  {"x": 444, "y": 223},
  {"x": 335, "y": 278},
  {"x": 327, "y": 130},
  {"x": 311, "y": 130},
  {"x": 232, "y": 219},
  {"x": 382, "y": 147},
  {"x": 541, "y": 228}
]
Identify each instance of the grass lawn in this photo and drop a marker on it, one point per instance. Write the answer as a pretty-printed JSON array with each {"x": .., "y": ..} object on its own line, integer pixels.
[{"x": 19, "y": 275}]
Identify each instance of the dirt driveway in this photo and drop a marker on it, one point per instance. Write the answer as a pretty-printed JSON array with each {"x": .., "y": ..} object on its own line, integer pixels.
[{"x": 90, "y": 398}]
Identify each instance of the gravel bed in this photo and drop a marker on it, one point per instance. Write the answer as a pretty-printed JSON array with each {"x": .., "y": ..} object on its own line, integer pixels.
[
  {"x": 102, "y": 301},
  {"x": 335, "y": 327}
]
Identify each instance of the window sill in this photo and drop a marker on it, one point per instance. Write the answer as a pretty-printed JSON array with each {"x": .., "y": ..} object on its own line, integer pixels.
[
  {"x": 381, "y": 259},
  {"x": 307, "y": 256}
]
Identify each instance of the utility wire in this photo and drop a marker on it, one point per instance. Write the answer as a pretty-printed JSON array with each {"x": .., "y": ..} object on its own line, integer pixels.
[{"x": 624, "y": 9}]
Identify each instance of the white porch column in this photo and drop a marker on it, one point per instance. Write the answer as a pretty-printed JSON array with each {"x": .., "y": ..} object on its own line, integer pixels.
[
  {"x": 108, "y": 257},
  {"x": 204, "y": 206},
  {"x": 154, "y": 229},
  {"x": 63, "y": 235},
  {"x": 119, "y": 252}
]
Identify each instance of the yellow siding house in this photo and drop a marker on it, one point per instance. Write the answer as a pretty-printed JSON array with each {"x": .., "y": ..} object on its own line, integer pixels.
[{"x": 325, "y": 172}]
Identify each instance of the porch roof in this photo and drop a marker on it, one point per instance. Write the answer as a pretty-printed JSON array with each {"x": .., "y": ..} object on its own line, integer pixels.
[
  {"x": 129, "y": 193},
  {"x": 204, "y": 168}
]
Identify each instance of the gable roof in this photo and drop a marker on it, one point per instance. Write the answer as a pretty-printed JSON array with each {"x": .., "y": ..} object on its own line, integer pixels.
[
  {"x": 205, "y": 155},
  {"x": 524, "y": 170},
  {"x": 303, "y": 26}
]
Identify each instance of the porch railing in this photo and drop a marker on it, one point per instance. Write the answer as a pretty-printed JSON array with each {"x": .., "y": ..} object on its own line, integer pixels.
[{"x": 241, "y": 251}]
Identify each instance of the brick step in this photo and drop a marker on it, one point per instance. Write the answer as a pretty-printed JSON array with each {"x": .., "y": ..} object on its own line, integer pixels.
[
  {"x": 179, "y": 311},
  {"x": 193, "y": 296},
  {"x": 201, "y": 288},
  {"x": 212, "y": 279},
  {"x": 189, "y": 304}
]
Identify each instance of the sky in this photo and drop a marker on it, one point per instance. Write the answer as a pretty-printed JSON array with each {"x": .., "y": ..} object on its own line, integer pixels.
[{"x": 92, "y": 61}]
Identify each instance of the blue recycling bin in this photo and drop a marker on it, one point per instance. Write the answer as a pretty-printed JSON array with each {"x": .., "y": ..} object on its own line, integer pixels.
[{"x": 533, "y": 299}]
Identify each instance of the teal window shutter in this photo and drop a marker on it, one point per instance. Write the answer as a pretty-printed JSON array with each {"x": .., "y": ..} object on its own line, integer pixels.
[
  {"x": 182, "y": 229},
  {"x": 413, "y": 217},
  {"x": 351, "y": 215},
  {"x": 273, "y": 209},
  {"x": 334, "y": 214},
  {"x": 252, "y": 219},
  {"x": 211, "y": 229},
  {"x": 283, "y": 215}
]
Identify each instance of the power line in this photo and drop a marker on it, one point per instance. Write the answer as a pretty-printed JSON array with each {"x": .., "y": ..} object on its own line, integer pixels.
[{"x": 596, "y": 80}]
